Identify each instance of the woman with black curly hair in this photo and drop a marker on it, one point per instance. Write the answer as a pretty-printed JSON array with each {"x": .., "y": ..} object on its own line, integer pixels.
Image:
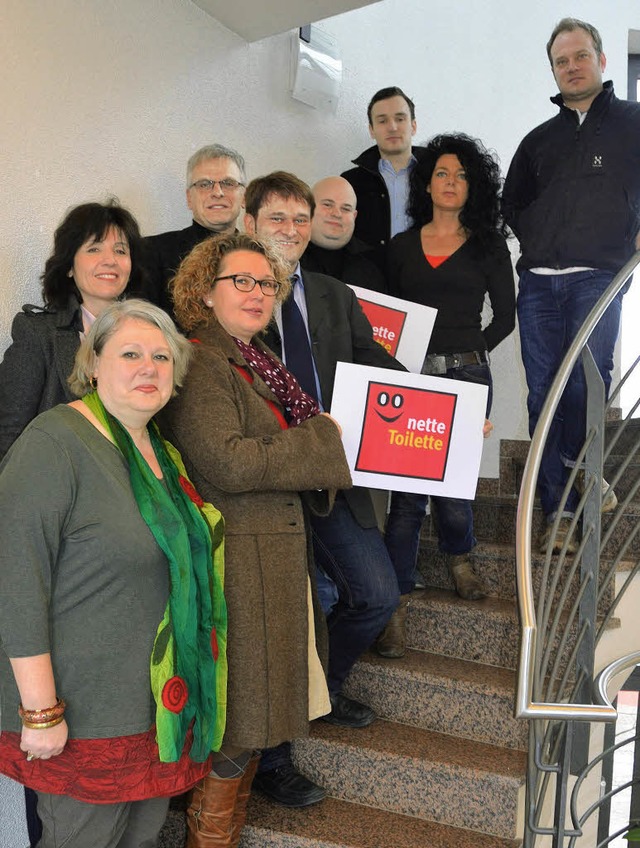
[{"x": 454, "y": 256}]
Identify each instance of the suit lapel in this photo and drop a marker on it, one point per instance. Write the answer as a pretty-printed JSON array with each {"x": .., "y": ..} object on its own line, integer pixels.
[{"x": 315, "y": 295}]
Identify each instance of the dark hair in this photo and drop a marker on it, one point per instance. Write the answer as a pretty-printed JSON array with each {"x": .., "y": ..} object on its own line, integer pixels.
[
  {"x": 84, "y": 222},
  {"x": 385, "y": 94},
  {"x": 281, "y": 183},
  {"x": 481, "y": 213},
  {"x": 569, "y": 25}
]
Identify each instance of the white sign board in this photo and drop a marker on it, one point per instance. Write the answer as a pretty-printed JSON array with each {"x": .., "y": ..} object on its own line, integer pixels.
[
  {"x": 401, "y": 327},
  {"x": 409, "y": 432}
]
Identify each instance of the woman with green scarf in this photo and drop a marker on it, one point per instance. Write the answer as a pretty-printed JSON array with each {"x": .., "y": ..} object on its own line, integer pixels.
[{"x": 112, "y": 618}]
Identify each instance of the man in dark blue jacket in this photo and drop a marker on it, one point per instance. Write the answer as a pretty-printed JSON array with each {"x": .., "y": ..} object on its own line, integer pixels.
[{"x": 572, "y": 197}]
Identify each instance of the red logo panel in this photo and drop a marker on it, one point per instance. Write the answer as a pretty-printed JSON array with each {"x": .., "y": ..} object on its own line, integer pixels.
[
  {"x": 406, "y": 432},
  {"x": 387, "y": 324}
]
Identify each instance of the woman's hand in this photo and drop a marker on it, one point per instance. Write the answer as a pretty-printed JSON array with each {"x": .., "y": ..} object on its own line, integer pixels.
[
  {"x": 488, "y": 427},
  {"x": 326, "y": 415},
  {"x": 46, "y": 743}
]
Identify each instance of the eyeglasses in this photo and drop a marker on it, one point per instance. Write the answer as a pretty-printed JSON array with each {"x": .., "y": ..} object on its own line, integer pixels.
[
  {"x": 228, "y": 184},
  {"x": 247, "y": 283}
]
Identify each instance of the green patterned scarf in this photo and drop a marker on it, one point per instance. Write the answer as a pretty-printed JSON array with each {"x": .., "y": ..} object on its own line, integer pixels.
[{"x": 189, "y": 662}]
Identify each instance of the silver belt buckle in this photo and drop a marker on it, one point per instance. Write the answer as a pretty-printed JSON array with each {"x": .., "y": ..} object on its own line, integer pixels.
[{"x": 434, "y": 365}]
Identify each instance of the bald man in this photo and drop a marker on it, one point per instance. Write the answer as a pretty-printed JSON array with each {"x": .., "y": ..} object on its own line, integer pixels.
[{"x": 333, "y": 248}]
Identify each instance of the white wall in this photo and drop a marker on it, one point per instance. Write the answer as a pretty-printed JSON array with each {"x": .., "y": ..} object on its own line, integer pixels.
[
  {"x": 111, "y": 98},
  {"x": 107, "y": 97}
]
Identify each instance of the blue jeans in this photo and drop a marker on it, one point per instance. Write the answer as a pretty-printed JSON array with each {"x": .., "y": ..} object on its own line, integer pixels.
[
  {"x": 356, "y": 559},
  {"x": 551, "y": 310},
  {"x": 454, "y": 516}
]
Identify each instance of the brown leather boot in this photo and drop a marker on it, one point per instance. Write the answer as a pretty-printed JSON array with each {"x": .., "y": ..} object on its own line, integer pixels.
[
  {"x": 242, "y": 799},
  {"x": 468, "y": 584},
  {"x": 392, "y": 642},
  {"x": 211, "y": 811}
]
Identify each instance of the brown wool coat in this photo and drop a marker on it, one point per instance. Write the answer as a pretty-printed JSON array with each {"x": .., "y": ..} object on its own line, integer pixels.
[{"x": 239, "y": 459}]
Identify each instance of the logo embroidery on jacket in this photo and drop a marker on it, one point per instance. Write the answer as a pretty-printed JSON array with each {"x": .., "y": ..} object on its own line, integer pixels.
[{"x": 597, "y": 161}]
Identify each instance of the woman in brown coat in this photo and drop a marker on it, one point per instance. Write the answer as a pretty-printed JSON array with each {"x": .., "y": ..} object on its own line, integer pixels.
[{"x": 251, "y": 440}]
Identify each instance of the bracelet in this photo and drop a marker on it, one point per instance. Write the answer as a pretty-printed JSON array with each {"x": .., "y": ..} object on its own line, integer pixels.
[
  {"x": 41, "y": 725},
  {"x": 43, "y": 717}
]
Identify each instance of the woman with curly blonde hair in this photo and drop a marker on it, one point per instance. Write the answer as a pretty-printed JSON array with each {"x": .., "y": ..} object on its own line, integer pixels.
[{"x": 252, "y": 439}]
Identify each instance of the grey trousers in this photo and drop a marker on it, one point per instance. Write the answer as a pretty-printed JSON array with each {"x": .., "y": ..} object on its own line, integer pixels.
[{"x": 67, "y": 823}]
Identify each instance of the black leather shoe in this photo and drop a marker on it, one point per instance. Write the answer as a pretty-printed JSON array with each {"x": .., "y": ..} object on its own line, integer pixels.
[
  {"x": 288, "y": 787},
  {"x": 349, "y": 713}
]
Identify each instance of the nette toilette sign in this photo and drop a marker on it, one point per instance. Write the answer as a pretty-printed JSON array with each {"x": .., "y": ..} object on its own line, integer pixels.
[{"x": 410, "y": 432}]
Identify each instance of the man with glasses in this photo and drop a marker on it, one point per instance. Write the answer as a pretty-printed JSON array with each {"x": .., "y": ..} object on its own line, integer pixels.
[
  {"x": 320, "y": 324},
  {"x": 215, "y": 194}
]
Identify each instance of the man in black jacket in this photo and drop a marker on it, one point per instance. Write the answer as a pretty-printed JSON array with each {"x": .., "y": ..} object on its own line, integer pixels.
[
  {"x": 572, "y": 197},
  {"x": 334, "y": 249},
  {"x": 347, "y": 543},
  {"x": 381, "y": 176},
  {"x": 215, "y": 194}
]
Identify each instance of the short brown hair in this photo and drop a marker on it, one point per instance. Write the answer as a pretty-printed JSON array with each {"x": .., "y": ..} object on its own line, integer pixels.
[
  {"x": 198, "y": 270},
  {"x": 281, "y": 183},
  {"x": 569, "y": 25},
  {"x": 385, "y": 94}
]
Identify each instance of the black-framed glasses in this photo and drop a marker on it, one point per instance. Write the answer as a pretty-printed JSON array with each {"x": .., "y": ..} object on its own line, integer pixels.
[
  {"x": 227, "y": 184},
  {"x": 247, "y": 283}
]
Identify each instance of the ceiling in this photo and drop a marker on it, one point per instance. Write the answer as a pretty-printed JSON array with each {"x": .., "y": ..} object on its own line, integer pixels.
[{"x": 253, "y": 21}]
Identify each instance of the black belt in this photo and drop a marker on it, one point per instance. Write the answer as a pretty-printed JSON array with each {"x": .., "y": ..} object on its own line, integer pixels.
[{"x": 440, "y": 363}]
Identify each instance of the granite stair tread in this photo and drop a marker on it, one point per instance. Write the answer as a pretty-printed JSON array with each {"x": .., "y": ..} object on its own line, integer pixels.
[
  {"x": 445, "y": 694},
  {"x": 485, "y": 631},
  {"x": 495, "y": 562},
  {"x": 443, "y": 669},
  {"x": 417, "y": 772},
  {"x": 342, "y": 824},
  {"x": 400, "y": 740}
]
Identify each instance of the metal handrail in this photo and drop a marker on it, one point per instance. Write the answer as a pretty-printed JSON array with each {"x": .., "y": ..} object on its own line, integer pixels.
[
  {"x": 525, "y": 706},
  {"x": 607, "y": 674}
]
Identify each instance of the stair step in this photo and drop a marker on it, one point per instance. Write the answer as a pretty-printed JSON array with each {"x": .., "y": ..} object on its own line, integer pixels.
[
  {"x": 485, "y": 631},
  {"x": 341, "y": 824},
  {"x": 629, "y": 440},
  {"x": 495, "y": 522},
  {"x": 418, "y": 773},
  {"x": 443, "y": 694},
  {"x": 496, "y": 564}
]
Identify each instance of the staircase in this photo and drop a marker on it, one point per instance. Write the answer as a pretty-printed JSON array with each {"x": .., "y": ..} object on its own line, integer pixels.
[
  {"x": 444, "y": 767},
  {"x": 445, "y": 764}
]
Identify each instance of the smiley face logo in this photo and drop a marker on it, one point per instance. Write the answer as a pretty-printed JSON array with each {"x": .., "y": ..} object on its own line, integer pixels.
[{"x": 394, "y": 401}]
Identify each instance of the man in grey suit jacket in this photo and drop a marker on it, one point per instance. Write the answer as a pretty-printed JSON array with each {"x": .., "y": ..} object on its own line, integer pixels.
[{"x": 347, "y": 543}]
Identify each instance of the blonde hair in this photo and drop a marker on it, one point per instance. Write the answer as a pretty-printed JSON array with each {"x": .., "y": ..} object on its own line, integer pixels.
[
  {"x": 105, "y": 325},
  {"x": 198, "y": 270}
]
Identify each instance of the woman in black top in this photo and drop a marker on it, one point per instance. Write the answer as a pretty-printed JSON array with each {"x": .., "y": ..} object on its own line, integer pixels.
[{"x": 453, "y": 257}]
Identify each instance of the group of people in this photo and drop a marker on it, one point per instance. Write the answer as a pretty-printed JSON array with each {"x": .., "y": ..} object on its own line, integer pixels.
[{"x": 173, "y": 502}]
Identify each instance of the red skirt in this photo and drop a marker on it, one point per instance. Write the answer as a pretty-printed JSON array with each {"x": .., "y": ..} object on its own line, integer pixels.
[{"x": 104, "y": 771}]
